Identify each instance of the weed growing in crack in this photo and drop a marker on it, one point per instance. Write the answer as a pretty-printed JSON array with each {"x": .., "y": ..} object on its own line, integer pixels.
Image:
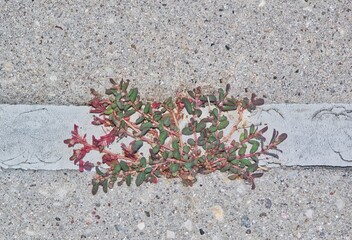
[{"x": 182, "y": 138}]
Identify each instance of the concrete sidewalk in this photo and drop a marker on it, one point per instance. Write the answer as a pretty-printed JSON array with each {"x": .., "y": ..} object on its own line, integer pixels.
[
  {"x": 294, "y": 54},
  {"x": 288, "y": 203}
]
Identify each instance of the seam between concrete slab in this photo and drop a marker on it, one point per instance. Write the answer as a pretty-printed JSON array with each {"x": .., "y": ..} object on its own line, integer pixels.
[{"x": 318, "y": 134}]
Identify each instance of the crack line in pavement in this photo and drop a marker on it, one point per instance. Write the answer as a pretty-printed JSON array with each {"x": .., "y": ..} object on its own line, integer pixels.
[{"x": 328, "y": 111}]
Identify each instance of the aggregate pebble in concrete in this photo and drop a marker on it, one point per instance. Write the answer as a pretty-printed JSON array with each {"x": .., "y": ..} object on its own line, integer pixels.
[
  {"x": 288, "y": 203},
  {"x": 294, "y": 51}
]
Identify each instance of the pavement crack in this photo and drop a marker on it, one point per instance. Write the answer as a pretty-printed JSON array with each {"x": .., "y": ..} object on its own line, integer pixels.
[
  {"x": 342, "y": 111},
  {"x": 34, "y": 110}
]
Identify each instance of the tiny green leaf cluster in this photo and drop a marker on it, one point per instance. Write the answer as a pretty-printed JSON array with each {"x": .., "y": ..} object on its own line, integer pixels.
[{"x": 199, "y": 145}]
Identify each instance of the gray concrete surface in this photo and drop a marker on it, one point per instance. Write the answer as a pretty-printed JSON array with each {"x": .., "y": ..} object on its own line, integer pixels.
[
  {"x": 288, "y": 203},
  {"x": 293, "y": 51},
  {"x": 285, "y": 51}
]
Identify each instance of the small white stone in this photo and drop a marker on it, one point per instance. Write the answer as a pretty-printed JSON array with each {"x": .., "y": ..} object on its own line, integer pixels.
[
  {"x": 188, "y": 225},
  {"x": 141, "y": 226},
  {"x": 218, "y": 212},
  {"x": 111, "y": 20},
  {"x": 53, "y": 78},
  {"x": 340, "y": 204},
  {"x": 309, "y": 213},
  {"x": 170, "y": 234},
  {"x": 8, "y": 66},
  {"x": 262, "y": 3}
]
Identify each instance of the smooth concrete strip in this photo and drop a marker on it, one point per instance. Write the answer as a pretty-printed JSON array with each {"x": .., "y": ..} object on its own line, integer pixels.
[{"x": 32, "y": 135}]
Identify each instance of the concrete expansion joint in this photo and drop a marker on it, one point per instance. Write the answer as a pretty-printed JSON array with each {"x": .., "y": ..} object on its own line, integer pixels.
[{"x": 318, "y": 134}]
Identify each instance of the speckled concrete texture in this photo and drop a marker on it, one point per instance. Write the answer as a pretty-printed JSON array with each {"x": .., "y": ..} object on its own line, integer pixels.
[
  {"x": 287, "y": 51},
  {"x": 288, "y": 203}
]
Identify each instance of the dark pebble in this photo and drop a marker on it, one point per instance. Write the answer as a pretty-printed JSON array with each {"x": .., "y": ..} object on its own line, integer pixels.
[
  {"x": 57, "y": 219},
  {"x": 268, "y": 203},
  {"x": 245, "y": 221},
  {"x": 147, "y": 213},
  {"x": 201, "y": 231},
  {"x": 262, "y": 214},
  {"x": 248, "y": 231}
]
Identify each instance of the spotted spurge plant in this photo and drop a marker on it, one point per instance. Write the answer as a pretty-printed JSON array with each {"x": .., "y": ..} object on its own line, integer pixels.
[{"x": 174, "y": 139}]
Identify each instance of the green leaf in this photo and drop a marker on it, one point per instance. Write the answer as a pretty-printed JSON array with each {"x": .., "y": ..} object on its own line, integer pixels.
[
  {"x": 187, "y": 131},
  {"x": 221, "y": 94},
  {"x": 162, "y": 137},
  {"x": 140, "y": 120},
  {"x": 188, "y": 105},
  {"x": 143, "y": 162},
  {"x": 139, "y": 105},
  {"x": 211, "y": 98},
  {"x": 227, "y": 88},
  {"x": 124, "y": 85},
  {"x": 98, "y": 171},
  {"x": 129, "y": 179},
  {"x": 191, "y": 93},
  {"x": 175, "y": 144},
  {"x": 191, "y": 142},
  {"x": 186, "y": 149},
  {"x": 200, "y": 126},
  {"x": 146, "y": 108},
  {"x": 215, "y": 113},
  {"x": 95, "y": 186},
  {"x": 117, "y": 169},
  {"x": 252, "y": 168},
  {"x": 229, "y": 108},
  {"x": 146, "y": 126},
  {"x": 242, "y": 150},
  {"x": 235, "y": 162},
  {"x": 223, "y": 125},
  {"x": 167, "y": 121},
  {"x": 201, "y": 159},
  {"x": 246, "y": 161},
  {"x": 118, "y": 96},
  {"x": 129, "y": 113},
  {"x": 177, "y": 155},
  {"x": 242, "y": 137},
  {"x": 174, "y": 167},
  {"x": 156, "y": 149},
  {"x": 127, "y": 106},
  {"x": 120, "y": 105},
  {"x": 109, "y": 111},
  {"x": 201, "y": 141},
  {"x": 212, "y": 128},
  {"x": 143, "y": 132},
  {"x": 211, "y": 139},
  {"x": 124, "y": 166},
  {"x": 133, "y": 94},
  {"x": 226, "y": 168},
  {"x": 198, "y": 112},
  {"x": 157, "y": 116},
  {"x": 140, "y": 178},
  {"x": 105, "y": 185},
  {"x": 137, "y": 145},
  {"x": 252, "y": 129},
  {"x": 148, "y": 169},
  {"x": 254, "y": 147},
  {"x": 189, "y": 165}
]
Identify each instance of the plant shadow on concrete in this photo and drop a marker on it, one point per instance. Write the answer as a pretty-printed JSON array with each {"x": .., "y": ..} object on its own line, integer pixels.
[{"x": 175, "y": 139}]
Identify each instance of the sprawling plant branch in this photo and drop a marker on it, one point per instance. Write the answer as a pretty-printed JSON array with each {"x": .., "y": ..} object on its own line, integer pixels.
[{"x": 178, "y": 146}]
